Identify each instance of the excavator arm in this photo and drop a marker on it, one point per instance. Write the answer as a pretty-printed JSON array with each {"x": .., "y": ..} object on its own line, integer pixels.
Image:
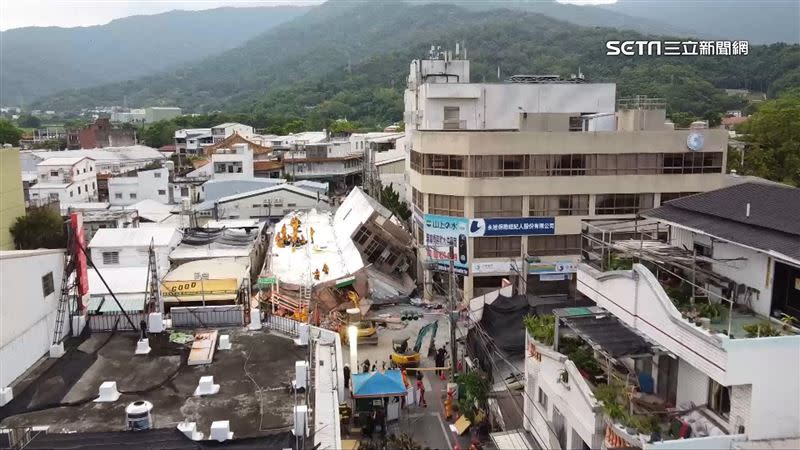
[{"x": 433, "y": 326}]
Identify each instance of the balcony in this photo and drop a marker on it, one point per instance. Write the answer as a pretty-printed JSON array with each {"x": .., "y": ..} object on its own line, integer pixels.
[{"x": 595, "y": 381}]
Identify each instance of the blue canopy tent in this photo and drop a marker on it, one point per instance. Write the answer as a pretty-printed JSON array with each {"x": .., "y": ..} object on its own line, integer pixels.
[
  {"x": 377, "y": 390},
  {"x": 378, "y": 384}
]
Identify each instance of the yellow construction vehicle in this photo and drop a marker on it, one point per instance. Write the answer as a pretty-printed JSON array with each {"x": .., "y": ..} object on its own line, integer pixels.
[
  {"x": 405, "y": 357},
  {"x": 367, "y": 333}
]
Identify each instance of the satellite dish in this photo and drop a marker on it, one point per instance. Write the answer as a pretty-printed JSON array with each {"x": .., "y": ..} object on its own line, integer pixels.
[{"x": 695, "y": 141}]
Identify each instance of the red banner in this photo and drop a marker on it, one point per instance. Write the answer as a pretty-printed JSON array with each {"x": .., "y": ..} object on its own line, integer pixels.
[{"x": 81, "y": 270}]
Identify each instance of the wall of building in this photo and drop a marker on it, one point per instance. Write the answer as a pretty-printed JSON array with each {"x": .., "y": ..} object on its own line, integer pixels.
[
  {"x": 757, "y": 272},
  {"x": 28, "y": 318},
  {"x": 769, "y": 364},
  {"x": 498, "y": 106},
  {"x": 692, "y": 385},
  {"x": 12, "y": 201},
  {"x": 282, "y": 201},
  {"x": 146, "y": 185}
]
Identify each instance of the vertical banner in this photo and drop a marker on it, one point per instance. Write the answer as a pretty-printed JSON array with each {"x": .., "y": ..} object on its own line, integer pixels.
[
  {"x": 440, "y": 232},
  {"x": 81, "y": 270}
]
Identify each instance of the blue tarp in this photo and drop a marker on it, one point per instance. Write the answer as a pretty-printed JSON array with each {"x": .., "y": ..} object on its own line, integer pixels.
[{"x": 378, "y": 384}]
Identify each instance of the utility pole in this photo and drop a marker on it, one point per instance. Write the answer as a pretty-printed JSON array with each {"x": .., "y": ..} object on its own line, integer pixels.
[{"x": 451, "y": 312}]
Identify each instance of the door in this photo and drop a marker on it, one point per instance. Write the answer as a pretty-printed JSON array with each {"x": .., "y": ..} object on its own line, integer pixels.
[{"x": 667, "y": 387}]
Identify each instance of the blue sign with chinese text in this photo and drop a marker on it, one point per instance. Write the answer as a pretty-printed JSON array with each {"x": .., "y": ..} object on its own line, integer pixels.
[{"x": 512, "y": 226}]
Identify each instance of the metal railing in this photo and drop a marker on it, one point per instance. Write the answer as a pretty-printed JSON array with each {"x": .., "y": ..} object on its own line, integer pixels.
[
  {"x": 207, "y": 316},
  {"x": 641, "y": 102},
  {"x": 111, "y": 320},
  {"x": 283, "y": 325}
]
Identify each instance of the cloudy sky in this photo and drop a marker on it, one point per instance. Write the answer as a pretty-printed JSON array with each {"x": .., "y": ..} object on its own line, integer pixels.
[{"x": 74, "y": 13}]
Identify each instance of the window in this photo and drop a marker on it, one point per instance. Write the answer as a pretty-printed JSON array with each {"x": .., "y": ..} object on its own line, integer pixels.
[
  {"x": 622, "y": 203},
  {"x": 162, "y": 192},
  {"x": 560, "y": 244},
  {"x": 417, "y": 198},
  {"x": 575, "y": 123},
  {"x": 184, "y": 192},
  {"x": 444, "y": 165},
  {"x": 452, "y": 116},
  {"x": 133, "y": 196},
  {"x": 362, "y": 235},
  {"x": 686, "y": 163},
  {"x": 498, "y": 206},
  {"x": 79, "y": 190},
  {"x": 542, "y": 399},
  {"x": 446, "y": 205},
  {"x": 93, "y": 187},
  {"x": 53, "y": 173},
  {"x": 156, "y": 174},
  {"x": 498, "y": 247},
  {"x": 47, "y": 284},
  {"x": 559, "y": 205},
  {"x": 667, "y": 196},
  {"x": 118, "y": 195},
  {"x": 291, "y": 204},
  {"x": 110, "y": 258},
  {"x": 86, "y": 188},
  {"x": 56, "y": 195},
  {"x": 719, "y": 398},
  {"x": 91, "y": 169},
  {"x": 568, "y": 165}
]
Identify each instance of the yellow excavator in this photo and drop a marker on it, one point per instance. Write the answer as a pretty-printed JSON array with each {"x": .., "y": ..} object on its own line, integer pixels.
[
  {"x": 405, "y": 357},
  {"x": 367, "y": 333}
]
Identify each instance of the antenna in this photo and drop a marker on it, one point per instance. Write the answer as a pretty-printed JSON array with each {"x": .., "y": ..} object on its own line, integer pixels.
[
  {"x": 458, "y": 48},
  {"x": 498, "y": 73}
]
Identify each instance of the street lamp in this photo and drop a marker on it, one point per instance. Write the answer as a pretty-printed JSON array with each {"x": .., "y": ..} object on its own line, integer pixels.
[{"x": 352, "y": 337}]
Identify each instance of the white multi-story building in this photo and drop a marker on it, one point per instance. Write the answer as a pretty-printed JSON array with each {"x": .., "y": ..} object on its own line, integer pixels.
[
  {"x": 144, "y": 185},
  {"x": 108, "y": 160},
  {"x": 68, "y": 180},
  {"x": 517, "y": 166},
  {"x": 337, "y": 162},
  {"x": 192, "y": 140},
  {"x": 716, "y": 295},
  {"x": 224, "y": 130},
  {"x": 233, "y": 163}
]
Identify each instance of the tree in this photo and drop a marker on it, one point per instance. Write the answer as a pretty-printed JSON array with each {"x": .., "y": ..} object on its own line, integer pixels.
[
  {"x": 40, "y": 228},
  {"x": 772, "y": 139},
  {"x": 9, "y": 134},
  {"x": 29, "y": 121},
  {"x": 391, "y": 200},
  {"x": 159, "y": 133},
  {"x": 682, "y": 119}
]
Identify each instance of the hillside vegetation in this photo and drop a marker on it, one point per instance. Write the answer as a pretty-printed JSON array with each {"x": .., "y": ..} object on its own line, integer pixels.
[{"x": 339, "y": 61}]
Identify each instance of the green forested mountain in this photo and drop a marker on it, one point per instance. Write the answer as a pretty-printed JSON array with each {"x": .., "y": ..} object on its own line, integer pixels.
[
  {"x": 341, "y": 60},
  {"x": 37, "y": 61}
]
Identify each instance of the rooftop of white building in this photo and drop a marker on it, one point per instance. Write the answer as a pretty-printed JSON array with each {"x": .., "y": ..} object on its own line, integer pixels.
[
  {"x": 133, "y": 237},
  {"x": 65, "y": 161}
]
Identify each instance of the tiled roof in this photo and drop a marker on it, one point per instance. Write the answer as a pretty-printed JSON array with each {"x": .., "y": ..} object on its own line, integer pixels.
[{"x": 773, "y": 222}]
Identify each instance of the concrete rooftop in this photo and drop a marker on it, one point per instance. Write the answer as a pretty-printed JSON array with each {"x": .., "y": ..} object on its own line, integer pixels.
[{"x": 61, "y": 396}]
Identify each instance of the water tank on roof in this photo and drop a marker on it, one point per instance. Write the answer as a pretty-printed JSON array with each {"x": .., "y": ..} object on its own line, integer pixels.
[
  {"x": 699, "y": 125},
  {"x": 138, "y": 415}
]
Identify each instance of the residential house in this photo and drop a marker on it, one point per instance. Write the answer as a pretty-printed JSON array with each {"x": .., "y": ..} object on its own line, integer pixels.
[
  {"x": 140, "y": 185},
  {"x": 109, "y": 160},
  {"x": 68, "y": 180},
  {"x": 192, "y": 140},
  {"x": 709, "y": 281},
  {"x": 225, "y": 130}
]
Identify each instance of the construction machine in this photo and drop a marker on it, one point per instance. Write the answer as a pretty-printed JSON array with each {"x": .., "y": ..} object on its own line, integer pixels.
[
  {"x": 367, "y": 333},
  {"x": 405, "y": 357}
]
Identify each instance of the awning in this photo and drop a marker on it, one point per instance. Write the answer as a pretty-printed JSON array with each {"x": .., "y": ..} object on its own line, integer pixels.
[
  {"x": 378, "y": 384},
  {"x": 343, "y": 282},
  {"x": 604, "y": 332}
]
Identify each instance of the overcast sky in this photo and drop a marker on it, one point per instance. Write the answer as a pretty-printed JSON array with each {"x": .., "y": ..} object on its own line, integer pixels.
[{"x": 74, "y": 13}]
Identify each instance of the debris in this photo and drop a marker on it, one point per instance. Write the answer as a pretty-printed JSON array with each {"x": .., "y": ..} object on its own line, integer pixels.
[{"x": 180, "y": 338}]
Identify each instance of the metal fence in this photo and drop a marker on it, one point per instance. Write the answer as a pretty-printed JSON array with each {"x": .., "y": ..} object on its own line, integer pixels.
[
  {"x": 207, "y": 316},
  {"x": 283, "y": 325},
  {"x": 107, "y": 321}
]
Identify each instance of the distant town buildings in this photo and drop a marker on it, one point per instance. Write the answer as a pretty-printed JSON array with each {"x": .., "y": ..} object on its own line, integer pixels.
[
  {"x": 158, "y": 113},
  {"x": 100, "y": 134}
]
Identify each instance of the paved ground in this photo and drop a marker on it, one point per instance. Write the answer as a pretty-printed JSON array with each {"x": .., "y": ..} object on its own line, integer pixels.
[{"x": 426, "y": 426}]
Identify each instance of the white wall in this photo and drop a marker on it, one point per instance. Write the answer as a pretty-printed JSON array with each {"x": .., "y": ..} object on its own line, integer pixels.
[
  {"x": 725, "y": 441},
  {"x": 249, "y": 208},
  {"x": 28, "y": 317},
  {"x": 146, "y": 185},
  {"x": 770, "y": 364},
  {"x": 751, "y": 272},
  {"x": 692, "y": 385},
  {"x": 498, "y": 106}
]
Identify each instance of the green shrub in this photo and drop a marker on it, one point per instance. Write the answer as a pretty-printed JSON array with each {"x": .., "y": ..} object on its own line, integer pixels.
[{"x": 542, "y": 328}]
